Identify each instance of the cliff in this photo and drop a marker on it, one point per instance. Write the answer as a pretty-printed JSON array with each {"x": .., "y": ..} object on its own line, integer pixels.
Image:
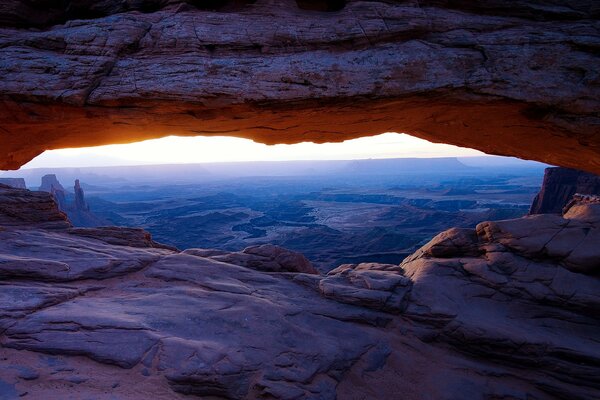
[
  {"x": 20, "y": 207},
  {"x": 50, "y": 183},
  {"x": 18, "y": 183},
  {"x": 512, "y": 78},
  {"x": 558, "y": 188},
  {"x": 80, "y": 203},
  {"x": 78, "y": 210},
  {"x": 506, "y": 310}
]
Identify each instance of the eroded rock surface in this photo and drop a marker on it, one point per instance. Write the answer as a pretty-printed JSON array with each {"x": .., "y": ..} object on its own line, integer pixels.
[
  {"x": 77, "y": 209},
  {"x": 50, "y": 184},
  {"x": 120, "y": 236},
  {"x": 507, "y": 310},
  {"x": 18, "y": 183},
  {"x": 517, "y": 78},
  {"x": 27, "y": 209},
  {"x": 266, "y": 257},
  {"x": 515, "y": 291},
  {"x": 371, "y": 285}
]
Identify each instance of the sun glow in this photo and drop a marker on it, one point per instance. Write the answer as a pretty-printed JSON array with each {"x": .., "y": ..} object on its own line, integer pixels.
[{"x": 174, "y": 150}]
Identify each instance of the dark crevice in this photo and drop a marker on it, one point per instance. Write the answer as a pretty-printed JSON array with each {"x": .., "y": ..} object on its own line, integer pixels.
[
  {"x": 220, "y": 5},
  {"x": 321, "y": 5},
  {"x": 46, "y": 13},
  {"x": 541, "y": 10},
  {"x": 538, "y": 112}
]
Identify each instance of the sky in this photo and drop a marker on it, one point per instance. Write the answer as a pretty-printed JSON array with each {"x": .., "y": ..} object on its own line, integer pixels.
[{"x": 175, "y": 150}]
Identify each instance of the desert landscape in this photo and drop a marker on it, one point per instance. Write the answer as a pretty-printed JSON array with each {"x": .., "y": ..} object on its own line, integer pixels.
[
  {"x": 349, "y": 278},
  {"x": 345, "y": 212},
  {"x": 99, "y": 311}
]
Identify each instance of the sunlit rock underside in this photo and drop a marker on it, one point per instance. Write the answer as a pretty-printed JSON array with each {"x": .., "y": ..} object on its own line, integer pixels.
[
  {"x": 506, "y": 310},
  {"x": 517, "y": 78}
]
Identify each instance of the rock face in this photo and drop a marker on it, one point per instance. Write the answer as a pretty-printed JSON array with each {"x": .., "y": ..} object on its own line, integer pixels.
[
  {"x": 80, "y": 203},
  {"x": 120, "y": 236},
  {"x": 501, "y": 292},
  {"x": 514, "y": 78},
  {"x": 506, "y": 310},
  {"x": 20, "y": 207},
  {"x": 558, "y": 188},
  {"x": 78, "y": 210},
  {"x": 18, "y": 183},
  {"x": 50, "y": 183}
]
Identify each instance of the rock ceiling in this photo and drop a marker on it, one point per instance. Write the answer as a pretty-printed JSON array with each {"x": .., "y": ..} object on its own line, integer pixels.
[{"x": 516, "y": 77}]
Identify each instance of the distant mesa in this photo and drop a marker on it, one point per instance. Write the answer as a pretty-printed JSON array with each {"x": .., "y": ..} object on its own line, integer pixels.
[
  {"x": 50, "y": 182},
  {"x": 17, "y": 183},
  {"x": 395, "y": 166},
  {"x": 559, "y": 187}
]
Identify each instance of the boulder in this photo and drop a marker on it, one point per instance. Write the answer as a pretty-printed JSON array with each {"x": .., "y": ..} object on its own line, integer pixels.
[
  {"x": 370, "y": 285},
  {"x": 269, "y": 258}
]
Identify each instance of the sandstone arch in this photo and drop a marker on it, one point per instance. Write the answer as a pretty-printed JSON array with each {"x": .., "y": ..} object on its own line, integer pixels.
[{"x": 516, "y": 78}]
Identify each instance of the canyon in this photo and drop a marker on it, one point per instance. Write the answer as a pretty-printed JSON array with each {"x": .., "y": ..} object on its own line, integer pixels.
[
  {"x": 507, "y": 309},
  {"x": 501, "y": 309},
  {"x": 333, "y": 212}
]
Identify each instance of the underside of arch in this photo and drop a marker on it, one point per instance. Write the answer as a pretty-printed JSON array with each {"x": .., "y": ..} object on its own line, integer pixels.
[{"x": 518, "y": 79}]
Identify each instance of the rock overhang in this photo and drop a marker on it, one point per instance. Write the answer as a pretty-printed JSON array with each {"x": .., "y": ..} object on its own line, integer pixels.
[{"x": 519, "y": 80}]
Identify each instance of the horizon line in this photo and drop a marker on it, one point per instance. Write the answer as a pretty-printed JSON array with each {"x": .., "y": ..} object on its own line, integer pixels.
[{"x": 275, "y": 161}]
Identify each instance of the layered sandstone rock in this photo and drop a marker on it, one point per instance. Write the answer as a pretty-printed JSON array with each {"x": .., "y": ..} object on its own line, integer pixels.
[
  {"x": 18, "y": 183},
  {"x": 267, "y": 257},
  {"x": 77, "y": 209},
  {"x": 506, "y": 310},
  {"x": 120, "y": 236},
  {"x": 516, "y": 78},
  {"x": 51, "y": 184},
  {"x": 80, "y": 203},
  {"x": 514, "y": 291},
  {"x": 558, "y": 188},
  {"x": 20, "y": 207},
  {"x": 370, "y": 285}
]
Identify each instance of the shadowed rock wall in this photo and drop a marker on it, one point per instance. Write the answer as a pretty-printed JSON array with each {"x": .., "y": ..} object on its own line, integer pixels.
[{"x": 558, "y": 188}]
